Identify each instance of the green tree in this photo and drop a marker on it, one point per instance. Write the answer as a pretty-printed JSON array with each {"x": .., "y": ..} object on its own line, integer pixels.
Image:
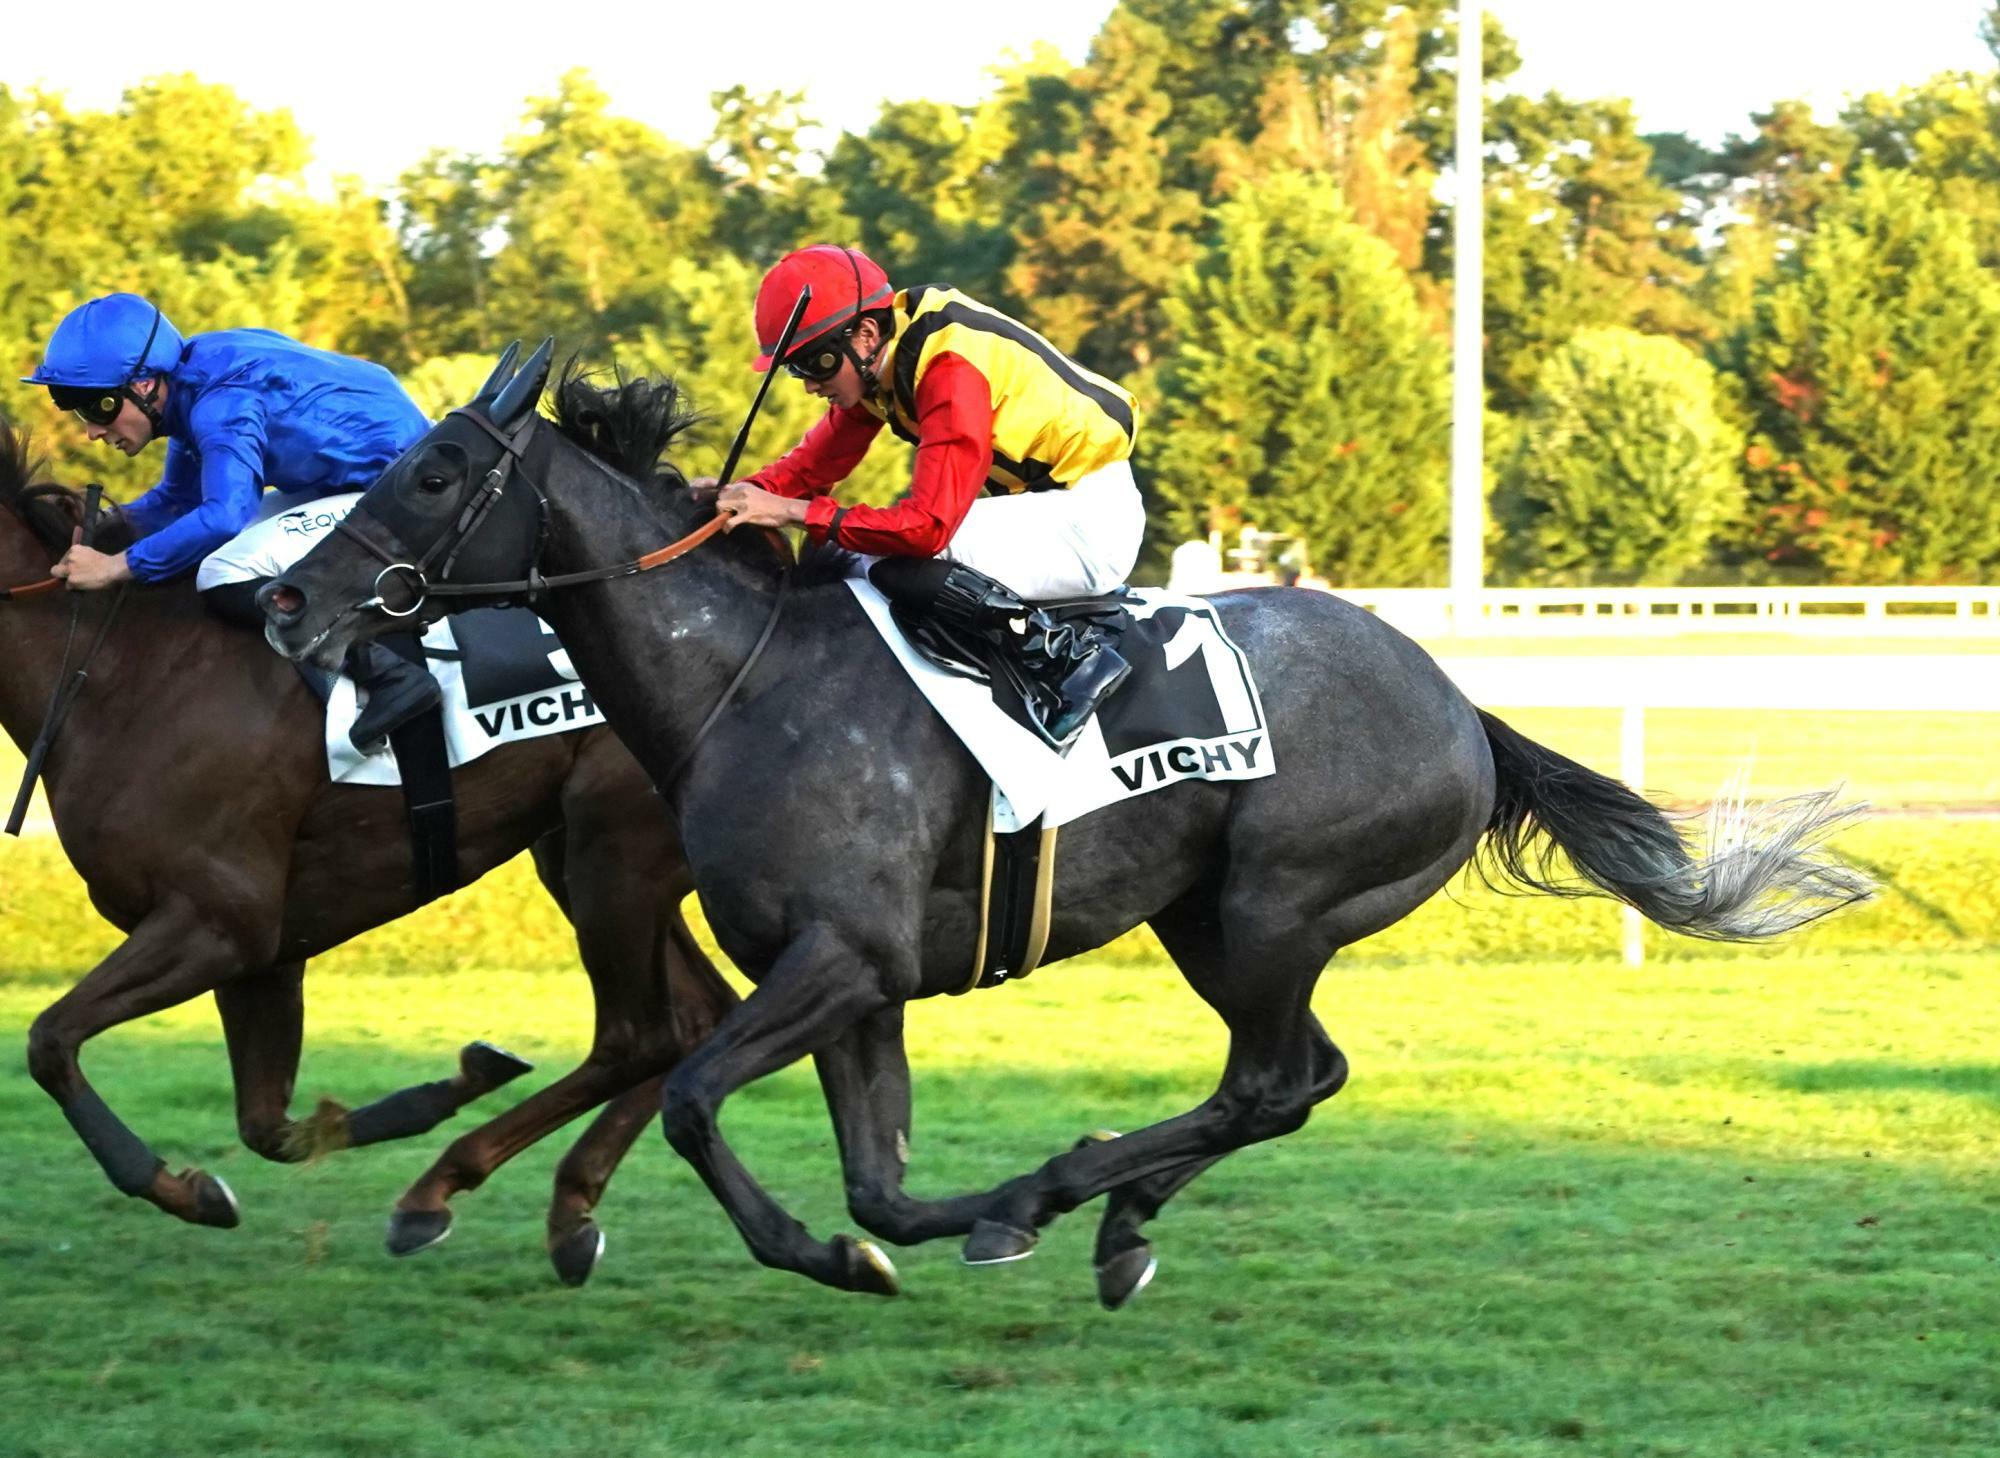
[
  {"x": 1871, "y": 369},
  {"x": 1625, "y": 468},
  {"x": 1358, "y": 124},
  {"x": 772, "y": 202},
  {"x": 1106, "y": 231},
  {"x": 567, "y": 232},
  {"x": 1304, "y": 392},
  {"x": 593, "y": 206},
  {"x": 1946, "y": 129},
  {"x": 1579, "y": 234},
  {"x": 448, "y": 215},
  {"x": 181, "y": 192},
  {"x": 933, "y": 191}
]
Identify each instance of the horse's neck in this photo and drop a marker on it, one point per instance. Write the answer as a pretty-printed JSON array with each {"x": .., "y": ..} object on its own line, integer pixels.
[
  {"x": 658, "y": 649},
  {"x": 134, "y": 655},
  {"x": 31, "y": 633}
]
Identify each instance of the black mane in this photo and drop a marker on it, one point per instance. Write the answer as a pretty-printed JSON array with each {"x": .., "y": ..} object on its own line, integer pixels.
[
  {"x": 51, "y": 512},
  {"x": 628, "y": 424}
]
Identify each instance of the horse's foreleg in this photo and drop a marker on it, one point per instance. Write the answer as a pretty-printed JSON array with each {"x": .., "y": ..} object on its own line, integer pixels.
[
  {"x": 618, "y": 878},
  {"x": 698, "y": 1000},
  {"x": 263, "y": 1022},
  {"x": 171, "y": 956},
  {"x": 866, "y": 1078},
  {"x": 575, "y": 1241},
  {"x": 262, "y": 1018},
  {"x": 817, "y": 990}
]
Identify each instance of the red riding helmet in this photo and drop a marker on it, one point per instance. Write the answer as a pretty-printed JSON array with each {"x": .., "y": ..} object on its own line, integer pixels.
[{"x": 845, "y": 283}]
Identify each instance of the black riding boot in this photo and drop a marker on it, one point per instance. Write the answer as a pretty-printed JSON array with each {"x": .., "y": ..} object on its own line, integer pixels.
[
  {"x": 398, "y": 691},
  {"x": 1072, "y": 668}
]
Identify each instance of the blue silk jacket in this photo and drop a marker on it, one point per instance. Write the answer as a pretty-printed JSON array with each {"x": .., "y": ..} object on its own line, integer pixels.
[{"x": 248, "y": 409}]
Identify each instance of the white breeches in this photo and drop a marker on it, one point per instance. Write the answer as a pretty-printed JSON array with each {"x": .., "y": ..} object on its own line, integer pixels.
[
  {"x": 286, "y": 528},
  {"x": 1047, "y": 544}
]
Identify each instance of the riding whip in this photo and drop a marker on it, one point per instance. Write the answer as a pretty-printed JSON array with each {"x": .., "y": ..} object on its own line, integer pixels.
[{"x": 777, "y": 353}]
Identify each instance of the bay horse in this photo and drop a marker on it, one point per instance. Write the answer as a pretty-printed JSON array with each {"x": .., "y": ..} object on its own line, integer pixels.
[
  {"x": 834, "y": 825},
  {"x": 190, "y": 792}
]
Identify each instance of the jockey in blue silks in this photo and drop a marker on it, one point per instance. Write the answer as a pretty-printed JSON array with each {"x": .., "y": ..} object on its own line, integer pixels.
[{"x": 242, "y": 410}]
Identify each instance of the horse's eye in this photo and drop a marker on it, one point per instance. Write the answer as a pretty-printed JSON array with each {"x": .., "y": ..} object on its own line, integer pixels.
[{"x": 432, "y": 484}]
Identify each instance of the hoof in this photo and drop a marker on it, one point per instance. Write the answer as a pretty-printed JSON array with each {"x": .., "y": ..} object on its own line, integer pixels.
[
  {"x": 994, "y": 1244},
  {"x": 214, "y": 1202},
  {"x": 490, "y": 1067},
  {"x": 1125, "y": 1275},
  {"x": 868, "y": 1269},
  {"x": 1095, "y": 1136},
  {"x": 413, "y": 1230},
  {"x": 576, "y": 1255}
]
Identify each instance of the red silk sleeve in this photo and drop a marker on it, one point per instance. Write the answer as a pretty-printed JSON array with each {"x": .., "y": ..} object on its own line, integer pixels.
[
  {"x": 831, "y": 449},
  {"x": 954, "y": 458}
]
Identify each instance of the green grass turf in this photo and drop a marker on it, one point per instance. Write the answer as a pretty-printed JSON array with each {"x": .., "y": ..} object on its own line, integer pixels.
[
  {"x": 1735, "y": 1203},
  {"x": 1740, "y": 1205}
]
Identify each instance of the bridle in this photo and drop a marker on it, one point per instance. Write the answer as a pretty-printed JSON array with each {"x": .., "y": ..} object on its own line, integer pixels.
[
  {"x": 535, "y": 585},
  {"x": 443, "y": 555}
]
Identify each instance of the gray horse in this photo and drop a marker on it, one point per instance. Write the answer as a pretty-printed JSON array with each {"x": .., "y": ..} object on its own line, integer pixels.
[{"x": 834, "y": 825}]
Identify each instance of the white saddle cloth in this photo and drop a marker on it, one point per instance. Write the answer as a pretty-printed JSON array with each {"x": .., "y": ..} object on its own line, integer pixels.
[
  {"x": 504, "y": 675},
  {"x": 1190, "y": 711}
]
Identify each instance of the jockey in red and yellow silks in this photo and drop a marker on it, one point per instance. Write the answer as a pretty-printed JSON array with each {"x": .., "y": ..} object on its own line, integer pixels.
[{"x": 992, "y": 407}]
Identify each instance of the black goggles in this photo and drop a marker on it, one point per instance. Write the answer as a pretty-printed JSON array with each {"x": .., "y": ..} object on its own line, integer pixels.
[
  {"x": 93, "y": 406},
  {"x": 820, "y": 360}
]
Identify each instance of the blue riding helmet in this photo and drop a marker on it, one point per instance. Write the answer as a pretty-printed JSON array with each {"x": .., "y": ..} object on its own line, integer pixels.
[{"x": 108, "y": 343}]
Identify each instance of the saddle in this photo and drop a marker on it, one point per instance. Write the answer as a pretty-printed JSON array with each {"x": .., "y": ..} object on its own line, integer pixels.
[{"x": 977, "y": 654}]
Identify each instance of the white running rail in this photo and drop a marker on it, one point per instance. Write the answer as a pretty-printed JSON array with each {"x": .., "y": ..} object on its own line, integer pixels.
[{"x": 1887, "y": 682}]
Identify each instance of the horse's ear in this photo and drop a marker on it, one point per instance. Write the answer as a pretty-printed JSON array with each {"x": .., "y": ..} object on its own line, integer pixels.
[
  {"x": 524, "y": 391},
  {"x": 501, "y": 372}
]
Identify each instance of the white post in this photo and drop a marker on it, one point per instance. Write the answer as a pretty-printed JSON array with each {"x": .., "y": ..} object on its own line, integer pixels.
[
  {"x": 1632, "y": 770},
  {"x": 1468, "y": 327}
]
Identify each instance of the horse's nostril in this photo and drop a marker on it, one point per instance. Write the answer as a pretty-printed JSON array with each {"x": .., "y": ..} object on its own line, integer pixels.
[{"x": 281, "y": 601}]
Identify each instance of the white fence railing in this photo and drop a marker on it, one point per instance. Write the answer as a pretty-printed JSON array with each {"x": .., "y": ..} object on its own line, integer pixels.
[
  {"x": 1889, "y": 682},
  {"x": 1665, "y": 611},
  {"x": 1946, "y": 612}
]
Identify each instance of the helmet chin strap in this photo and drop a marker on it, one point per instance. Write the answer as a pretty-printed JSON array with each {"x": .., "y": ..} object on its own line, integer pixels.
[
  {"x": 870, "y": 380},
  {"x": 865, "y": 368},
  {"x": 146, "y": 407}
]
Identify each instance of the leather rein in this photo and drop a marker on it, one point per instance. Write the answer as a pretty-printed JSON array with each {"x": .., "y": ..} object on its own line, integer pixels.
[
  {"x": 69, "y": 686},
  {"x": 443, "y": 554}
]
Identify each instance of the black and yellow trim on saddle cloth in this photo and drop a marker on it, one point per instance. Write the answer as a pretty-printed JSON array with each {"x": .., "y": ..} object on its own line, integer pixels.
[
  {"x": 1054, "y": 422},
  {"x": 1016, "y": 894}
]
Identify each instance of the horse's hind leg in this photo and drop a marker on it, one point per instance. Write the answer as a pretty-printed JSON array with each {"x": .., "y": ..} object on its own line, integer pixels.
[
  {"x": 174, "y": 954},
  {"x": 1191, "y": 933},
  {"x": 262, "y": 1020},
  {"x": 1280, "y": 1064},
  {"x": 865, "y": 1074}
]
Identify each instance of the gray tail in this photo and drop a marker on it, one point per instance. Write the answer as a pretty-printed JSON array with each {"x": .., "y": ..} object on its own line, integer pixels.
[{"x": 1764, "y": 872}]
